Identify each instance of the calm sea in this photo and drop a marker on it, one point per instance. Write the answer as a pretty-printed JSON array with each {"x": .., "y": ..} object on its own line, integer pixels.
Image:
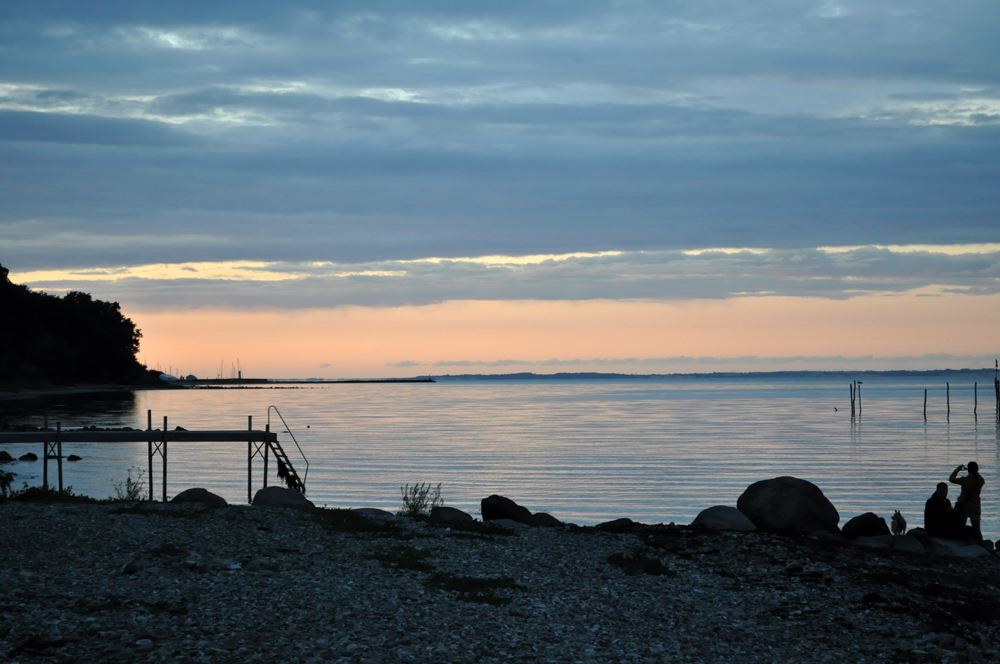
[{"x": 654, "y": 450}]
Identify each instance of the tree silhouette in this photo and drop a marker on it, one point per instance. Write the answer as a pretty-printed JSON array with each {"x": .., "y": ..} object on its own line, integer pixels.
[{"x": 69, "y": 339}]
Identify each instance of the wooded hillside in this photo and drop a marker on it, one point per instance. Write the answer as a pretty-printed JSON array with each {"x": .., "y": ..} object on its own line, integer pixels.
[{"x": 64, "y": 340}]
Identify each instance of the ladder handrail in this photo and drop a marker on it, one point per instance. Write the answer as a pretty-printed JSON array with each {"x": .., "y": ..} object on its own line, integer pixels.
[{"x": 289, "y": 430}]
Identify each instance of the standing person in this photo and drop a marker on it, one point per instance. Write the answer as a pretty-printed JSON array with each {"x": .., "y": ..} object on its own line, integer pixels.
[{"x": 968, "y": 502}]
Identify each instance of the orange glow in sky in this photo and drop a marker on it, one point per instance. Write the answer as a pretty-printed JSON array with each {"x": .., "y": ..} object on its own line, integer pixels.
[{"x": 362, "y": 341}]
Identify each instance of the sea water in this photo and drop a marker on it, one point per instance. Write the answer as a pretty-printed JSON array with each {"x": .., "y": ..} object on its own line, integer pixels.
[{"x": 651, "y": 449}]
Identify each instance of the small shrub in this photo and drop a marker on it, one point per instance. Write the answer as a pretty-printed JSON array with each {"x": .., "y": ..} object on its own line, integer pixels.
[
  {"x": 6, "y": 479},
  {"x": 37, "y": 494},
  {"x": 473, "y": 588},
  {"x": 131, "y": 490},
  {"x": 404, "y": 557},
  {"x": 639, "y": 562},
  {"x": 419, "y": 499}
]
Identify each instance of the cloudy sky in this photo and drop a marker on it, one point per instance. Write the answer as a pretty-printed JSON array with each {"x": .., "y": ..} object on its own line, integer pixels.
[{"x": 367, "y": 189}]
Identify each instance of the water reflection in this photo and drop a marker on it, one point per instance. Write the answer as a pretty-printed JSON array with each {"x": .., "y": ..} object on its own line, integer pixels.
[{"x": 586, "y": 451}]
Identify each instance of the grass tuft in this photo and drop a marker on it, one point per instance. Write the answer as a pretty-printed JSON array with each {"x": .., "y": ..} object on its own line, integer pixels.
[
  {"x": 419, "y": 499},
  {"x": 639, "y": 562},
  {"x": 402, "y": 556},
  {"x": 472, "y": 588}
]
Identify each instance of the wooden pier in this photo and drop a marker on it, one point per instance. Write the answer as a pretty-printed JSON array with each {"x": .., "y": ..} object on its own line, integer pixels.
[{"x": 259, "y": 444}]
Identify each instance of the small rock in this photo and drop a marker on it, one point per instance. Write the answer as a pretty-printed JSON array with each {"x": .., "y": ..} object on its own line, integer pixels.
[
  {"x": 497, "y": 507},
  {"x": 868, "y": 524},
  {"x": 441, "y": 513},
  {"x": 723, "y": 517},
  {"x": 199, "y": 495},
  {"x": 129, "y": 568},
  {"x": 372, "y": 512},
  {"x": 545, "y": 520},
  {"x": 277, "y": 496},
  {"x": 618, "y": 526},
  {"x": 5, "y": 457},
  {"x": 30, "y": 456},
  {"x": 144, "y": 645},
  {"x": 73, "y": 457}
]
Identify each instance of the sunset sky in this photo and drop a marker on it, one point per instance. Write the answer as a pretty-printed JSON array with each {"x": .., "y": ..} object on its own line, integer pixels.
[{"x": 393, "y": 189}]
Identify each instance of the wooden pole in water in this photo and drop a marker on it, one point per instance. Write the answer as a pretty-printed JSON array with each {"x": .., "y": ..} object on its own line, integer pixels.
[
  {"x": 947, "y": 396},
  {"x": 975, "y": 399},
  {"x": 925, "y": 404},
  {"x": 859, "y": 398},
  {"x": 149, "y": 450},
  {"x": 59, "y": 453},
  {"x": 164, "y": 458}
]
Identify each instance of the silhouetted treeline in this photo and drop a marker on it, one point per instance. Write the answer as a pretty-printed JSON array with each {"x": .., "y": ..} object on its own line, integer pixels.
[{"x": 70, "y": 339}]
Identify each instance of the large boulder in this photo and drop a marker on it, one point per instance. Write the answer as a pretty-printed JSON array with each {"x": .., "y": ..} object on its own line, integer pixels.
[
  {"x": 868, "y": 524},
  {"x": 279, "y": 496},
  {"x": 442, "y": 513},
  {"x": 199, "y": 495},
  {"x": 723, "y": 517},
  {"x": 30, "y": 456},
  {"x": 788, "y": 505},
  {"x": 497, "y": 507},
  {"x": 5, "y": 457}
]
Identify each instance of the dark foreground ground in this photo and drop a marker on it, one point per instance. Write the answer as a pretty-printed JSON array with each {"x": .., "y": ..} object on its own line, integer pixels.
[{"x": 163, "y": 583}]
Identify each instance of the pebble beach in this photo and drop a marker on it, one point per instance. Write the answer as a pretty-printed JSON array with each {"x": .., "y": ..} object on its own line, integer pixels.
[{"x": 146, "y": 582}]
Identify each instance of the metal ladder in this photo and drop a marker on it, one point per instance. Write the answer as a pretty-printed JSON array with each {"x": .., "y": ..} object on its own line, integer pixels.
[{"x": 286, "y": 471}]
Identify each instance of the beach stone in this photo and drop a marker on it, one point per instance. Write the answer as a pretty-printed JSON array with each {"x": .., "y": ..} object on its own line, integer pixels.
[
  {"x": 497, "y": 507},
  {"x": 945, "y": 547},
  {"x": 199, "y": 495},
  {"x": 723, "y": 517},
  {"x": 988, "y": 545},
  {"x": 876, "y": 542},
  {"x": 5, "y": 457},
  {"x": 509, "y": 523},
  {"x": 442, "y": 513},
  {"x": 788, "y": 505},
  {"x": 908, "y": 544},
  {"x": 30, "y": 456},
  {"x": 618, "y": 526},
  {"x": 545, "y": 520},
  {"x": 868, "y": 524},
  {"x": 73, "y": 457},
  {"x": 372, "y": 512},
  {"x": 277, "y": 496}
]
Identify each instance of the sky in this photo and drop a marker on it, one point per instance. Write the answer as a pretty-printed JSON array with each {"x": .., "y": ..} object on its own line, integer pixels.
[{"x": 322, "y": 189}]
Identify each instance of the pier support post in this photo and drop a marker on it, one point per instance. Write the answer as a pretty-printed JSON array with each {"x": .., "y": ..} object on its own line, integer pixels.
[
  {"x": 52, "y": 449},
  {"x": 947, "y": 396},
  {"x": 164, "y": 455},
  {"x": 149, "y": 451},
  {"x": 925, "y": 404}
]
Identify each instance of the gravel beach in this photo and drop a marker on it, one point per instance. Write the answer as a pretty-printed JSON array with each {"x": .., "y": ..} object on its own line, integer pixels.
[{"x": 186, "y": 583}]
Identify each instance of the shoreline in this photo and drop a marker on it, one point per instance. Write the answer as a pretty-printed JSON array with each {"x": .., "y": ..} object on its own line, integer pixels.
[{"x": 152, "y": 582}]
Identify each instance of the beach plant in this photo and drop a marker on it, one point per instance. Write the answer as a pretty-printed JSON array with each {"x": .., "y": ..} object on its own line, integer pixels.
[
  {"x": 473, "y": 588},
  {"x": 131, "y": 490},
  {"x": 419, "y": 499},
  {"x": 6, "y": 479},
  {"x": 639, "y": 562},
  {"x": 38, "y": 494},
  {"x": 404, "y": 557}
]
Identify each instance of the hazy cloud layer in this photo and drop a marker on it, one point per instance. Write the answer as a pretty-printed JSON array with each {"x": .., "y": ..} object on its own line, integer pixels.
[
  {"x": 135, "y": 133},
  {"x": 684, "y": 364},
  {"x": 663, "y": 275}
]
